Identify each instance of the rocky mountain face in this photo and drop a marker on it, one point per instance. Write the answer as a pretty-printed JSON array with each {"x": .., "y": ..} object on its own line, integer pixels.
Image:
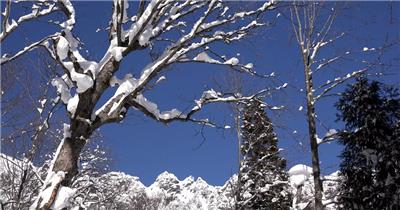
[{"x": 116, "y": 190}]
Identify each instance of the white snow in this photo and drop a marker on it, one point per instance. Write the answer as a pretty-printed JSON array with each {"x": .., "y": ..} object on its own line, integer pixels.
[
  {"x": 225, "y": 10},
  {"x": 298, "y": 174},
  {"x": 114, "y": 81},
  {"x": 162, "y": 78},
  {"x": 62, "y": 89},
  {"x": 331, "y": 132},
  {"x": 168, "y": 192},
  {"x": 83, "y": 81},
  {"x": 71, "y": 21},
  {"x": 126, "y": 86},
  {"x": 282, "y": 86},
  {"x": 43, "y": 102},
  {"x": 277, "y": 107},
  {"x": 319, "y": 140},
  {"x": 9, "y": 26},
  {"x": 73, "y": 104},
  {"x": 147, "y": 14},
  {"x": 62, "y": 48},
  {"x": 116, "y": 52},
  {"x": 210, "y": 94},
  {"x": 125, "y": 18},
  {"x": 232, "y": 61},
  {"x": 249, "y": 66},
  {"x": 63, "y": 195},
  {"x": 66, "y": 131},
  {"x": 170, "y": 114},
  {"x": 153, "y": 108},
  {"x": 203, "y": 56}
]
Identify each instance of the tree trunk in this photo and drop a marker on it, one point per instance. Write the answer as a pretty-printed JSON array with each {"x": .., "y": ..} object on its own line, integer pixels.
[
  {"x": 312, "y": 130},
  {"x": 238, "y": 133},
  {"x": 67, "y": 159}
]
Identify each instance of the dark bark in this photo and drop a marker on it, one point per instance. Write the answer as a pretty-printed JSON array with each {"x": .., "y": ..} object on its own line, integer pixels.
[
  {"x": 53, "y": 196},
  {"x": 81, "y": 128},
  {"x": 312, "y": 131},
  {"x": 68, "y": 158},
  {"x": 238, "y": 133}
]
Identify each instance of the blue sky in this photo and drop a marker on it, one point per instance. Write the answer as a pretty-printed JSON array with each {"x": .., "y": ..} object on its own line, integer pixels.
[{"x": 145, "y": 148}]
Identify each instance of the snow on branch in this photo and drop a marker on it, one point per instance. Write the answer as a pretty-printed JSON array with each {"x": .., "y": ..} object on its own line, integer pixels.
[
  {"x": 39, "y": 9},
  {"x": 326, "y": 62},
  {"x": 233, "y": 62},
  {"x": 55, "y": 196},
  {"x": 142, "y": 31},
  {"x": 317, "y": 46},
  {"x": 5, "y": 58},
  {"x": 151, "y": 109},
  {"x": 331, "y": 135},
  {"x": 153, "y": 19},
  {"x": 337, "y": 81},
  {"x": 36, "y": 12}
]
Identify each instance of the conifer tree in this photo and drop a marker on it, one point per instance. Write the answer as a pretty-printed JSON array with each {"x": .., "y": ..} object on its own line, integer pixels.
[
  {"x": 370, "y": 160},
  {"x": 263, "y": 181}
]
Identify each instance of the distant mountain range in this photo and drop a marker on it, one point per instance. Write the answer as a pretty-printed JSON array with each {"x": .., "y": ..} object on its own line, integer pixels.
[{"x": 117, "y": 190}]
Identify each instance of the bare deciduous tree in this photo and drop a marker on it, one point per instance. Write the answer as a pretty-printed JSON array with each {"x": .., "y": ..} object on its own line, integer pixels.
[
  {"x": 85, "y": 81},
  {"x": 313, "y": 24}
]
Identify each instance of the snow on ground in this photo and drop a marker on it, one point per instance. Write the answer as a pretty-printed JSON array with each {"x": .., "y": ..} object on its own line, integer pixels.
[
  {"x": 299, "y": 174},
  {"x": 302, "y": 183}
]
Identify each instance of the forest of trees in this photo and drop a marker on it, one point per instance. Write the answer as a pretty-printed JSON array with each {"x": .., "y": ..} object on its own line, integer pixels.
[{"x": 55, "y": 99}]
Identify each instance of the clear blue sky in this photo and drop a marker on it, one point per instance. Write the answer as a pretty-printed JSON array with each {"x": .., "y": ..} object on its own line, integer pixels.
[{"x": 145, "y": 148}]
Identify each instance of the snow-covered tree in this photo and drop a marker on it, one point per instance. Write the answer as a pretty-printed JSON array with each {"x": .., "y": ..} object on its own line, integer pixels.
[
  {"x": 27, "y": 148},
  {"x": 318, "y": 39},
  {"x": 190, "y": 28},
  {"x": 263, "y": 181},
  {"x": 370, "y": 160},
  {"x": 26, "y": 132}
]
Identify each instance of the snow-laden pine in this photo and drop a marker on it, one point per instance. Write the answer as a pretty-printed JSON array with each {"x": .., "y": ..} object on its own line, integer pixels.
[{"x": 263, "y": 182}]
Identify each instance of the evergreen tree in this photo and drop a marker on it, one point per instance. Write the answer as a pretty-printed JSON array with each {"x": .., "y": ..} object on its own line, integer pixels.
[
  {"x": 370, "y": 160},
  {"x": 263, "y": 181}
]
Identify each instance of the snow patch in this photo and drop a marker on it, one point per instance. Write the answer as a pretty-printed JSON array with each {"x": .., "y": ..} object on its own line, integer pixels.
[
  {"x": 298, "y": 174},
  {"x": 331, "y": 132},
  {"x": 62, "y": 48},
  {"x": 203, "y": 56},
  {"x": 83, "y": 81},
  {"x": 160, "y": 79},
  {"x": 62, "y": 89},
  {"x": 233, "y": 61},
  {"x": 63, "y": 195},
  {"x": 248, "y": 66},
  {"x": 73, "y": 104}
]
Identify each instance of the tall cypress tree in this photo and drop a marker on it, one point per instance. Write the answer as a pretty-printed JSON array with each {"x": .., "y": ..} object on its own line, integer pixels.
[
  {"x": 263, "y": 181},
  {"x": 370, "y": 160}
]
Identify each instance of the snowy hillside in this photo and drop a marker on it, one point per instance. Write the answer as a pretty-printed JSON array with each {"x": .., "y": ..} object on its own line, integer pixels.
[{"x": 117, "y": 190}]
